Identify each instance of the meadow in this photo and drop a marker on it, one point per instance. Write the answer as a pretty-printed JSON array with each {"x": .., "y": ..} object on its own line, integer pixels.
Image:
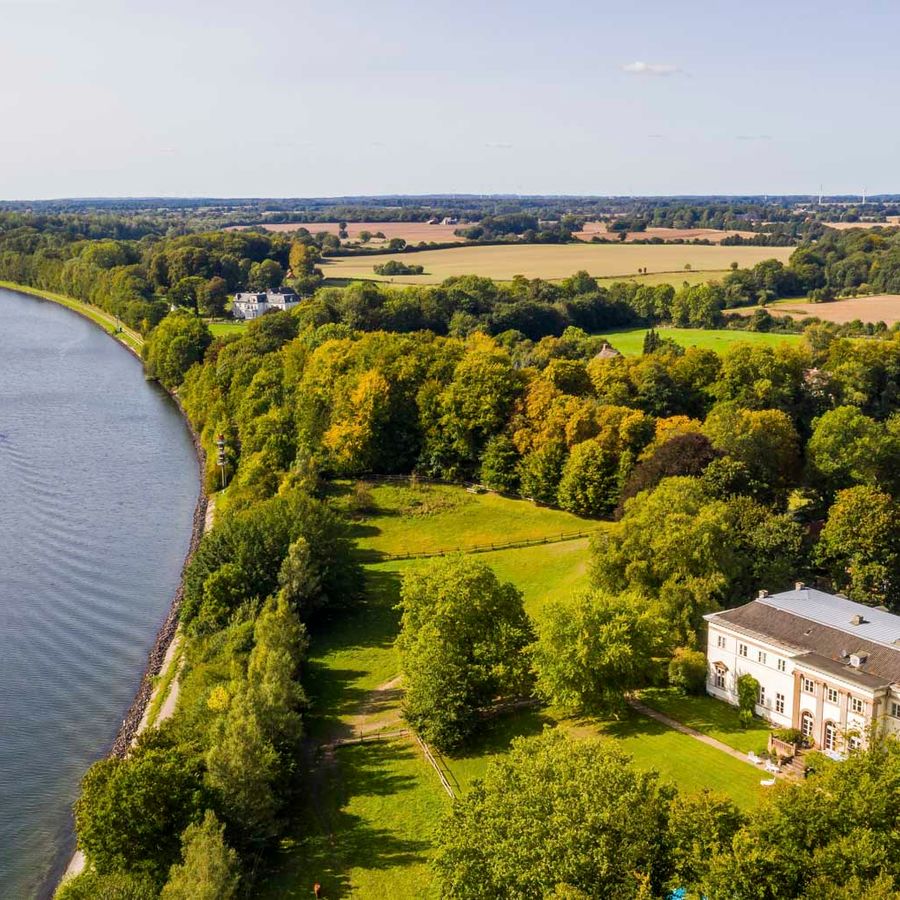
[
  {"x": 365, "y": 827},
  {"x": 556, "y": 261},
  {"x": 630, "y": 342}
]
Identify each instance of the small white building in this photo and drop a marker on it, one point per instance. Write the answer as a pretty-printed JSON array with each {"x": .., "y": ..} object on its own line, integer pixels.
[
  {"x": 825, "y": 665},
  {"x": 252, "y": 305}
]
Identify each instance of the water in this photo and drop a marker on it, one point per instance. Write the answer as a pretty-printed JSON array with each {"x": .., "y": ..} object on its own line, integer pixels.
[{"x": 98, "y": 483}]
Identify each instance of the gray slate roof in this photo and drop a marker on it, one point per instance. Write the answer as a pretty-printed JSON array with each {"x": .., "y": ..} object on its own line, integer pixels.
[{"x": 819, "y": 624}]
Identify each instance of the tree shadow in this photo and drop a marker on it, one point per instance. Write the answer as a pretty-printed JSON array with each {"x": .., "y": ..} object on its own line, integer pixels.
[{"x": 328, "y": 841}]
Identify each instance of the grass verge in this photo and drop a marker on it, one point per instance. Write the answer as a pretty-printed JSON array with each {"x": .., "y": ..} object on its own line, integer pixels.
[{"x": 630, "y": 342}]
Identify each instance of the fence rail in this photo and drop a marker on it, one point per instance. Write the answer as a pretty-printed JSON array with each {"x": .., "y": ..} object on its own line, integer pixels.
[
  {"x": 488, "y": 548},
  {"x": 426, "y": 750}
]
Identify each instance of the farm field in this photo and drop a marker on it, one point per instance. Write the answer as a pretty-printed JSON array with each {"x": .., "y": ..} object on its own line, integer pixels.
[
  {"x": 411, "y": 232},
  {"x": 219, "y": 329},
  {"x": 715, "y": 235},
  {"x": 891, "y": 221},
  {"x": 365, "y": 827},
  {"x": 555, "y": 261},
  {"x": 630, "y": 342},
  {"x": 876, "y": 308}
]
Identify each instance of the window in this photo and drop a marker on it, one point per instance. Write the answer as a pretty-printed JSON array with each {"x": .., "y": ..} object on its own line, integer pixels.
[
  {"x": 720, "y": 679},
  {"x": 780, "y": 665},
  {"x": 895, "y": 710},
  {"x": 856, "y": 705},
  {"x": 762, "y": 696},
  {"x": 854, "y": 743},
  {"x": 831, "y": 695},
  {"x": 806, "y": 724},
  {"x": 809, "y": 686},
  {"x": 779, "y": 703},
  {"x": 830, "y": 736},
  {"x": 720, "y": 641},
  {"x": 761, "y": 656},
  {"x": 742, "y": 649}
]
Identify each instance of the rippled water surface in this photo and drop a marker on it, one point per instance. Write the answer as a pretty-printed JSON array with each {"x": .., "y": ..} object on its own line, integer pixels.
[{"x": 98, "y": 484}]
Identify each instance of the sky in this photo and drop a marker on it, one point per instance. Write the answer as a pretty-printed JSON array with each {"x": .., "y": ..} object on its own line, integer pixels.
[{"x": 287, "y": 98}]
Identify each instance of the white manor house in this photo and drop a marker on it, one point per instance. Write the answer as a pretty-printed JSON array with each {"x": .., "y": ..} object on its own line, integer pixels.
[
  {"x": 252, "y": 305},
  {"x": 825, "y": 665}
]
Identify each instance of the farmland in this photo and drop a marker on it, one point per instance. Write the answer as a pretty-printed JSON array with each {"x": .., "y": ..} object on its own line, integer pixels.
[
  {"x": 630, "y": 342},
  {"x": 411, "y": 232},
  {"x": 877, "y": 308},
  {"x": 556, "y": 261},
  {"x": 714, "y": 235}
]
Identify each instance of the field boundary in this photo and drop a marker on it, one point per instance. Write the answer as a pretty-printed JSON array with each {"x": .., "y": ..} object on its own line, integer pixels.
[{"x": 562, "y": 537}]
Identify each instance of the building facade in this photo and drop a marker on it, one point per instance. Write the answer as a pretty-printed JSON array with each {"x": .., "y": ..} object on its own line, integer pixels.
[
  {"x": 252, "y": 305},
  {"x": 825, "y": 665}
]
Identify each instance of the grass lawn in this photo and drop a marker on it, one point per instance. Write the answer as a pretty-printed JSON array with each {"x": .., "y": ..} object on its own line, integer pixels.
[
  {"x": 425, "y": 518},
  {"x": 222, "y": 328},
  {"x": 364, "y": 830},
  {"x": 630, "y": 342},
  {"x": 711, "y": 717}
]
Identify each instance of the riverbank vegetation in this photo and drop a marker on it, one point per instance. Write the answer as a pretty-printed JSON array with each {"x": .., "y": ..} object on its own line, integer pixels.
[{"x": 775, "y": 460}]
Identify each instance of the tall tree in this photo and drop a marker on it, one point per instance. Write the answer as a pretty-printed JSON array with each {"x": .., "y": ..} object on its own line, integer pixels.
[{"x": 209, "y": 867}]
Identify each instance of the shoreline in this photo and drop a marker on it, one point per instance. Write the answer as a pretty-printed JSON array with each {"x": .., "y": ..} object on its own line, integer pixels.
[{"x": 66, "y": 864}]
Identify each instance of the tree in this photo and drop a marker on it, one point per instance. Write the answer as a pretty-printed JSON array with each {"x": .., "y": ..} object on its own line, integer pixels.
[
  {"x": 177, "y": 343},
  {"x": 132, "y": 810},
  {"x": 209, "y": 867},
  {"x": 266, "y": 275},
  {"x": 212, "y": 297},
  {"x": 589, "y": 483},
  {"x": 91, "y": 885},
  {"x": 555, "y": 811},
  {"x": 300, "y": 580},
  {"x": 682, "y": 454},
  {"x": 748, "y": 697},
  {"x": 462, "y": 635},
  {"x": 687, "y": 670},
  {"x": 594, "y": 647},
  {"x": 499, "y": 464},
  {"x": 541, "y": 470},
  {"x": 859, "y": 546}
]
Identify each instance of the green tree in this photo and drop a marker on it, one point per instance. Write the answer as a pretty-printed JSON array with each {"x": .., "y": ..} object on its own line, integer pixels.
[
  {"x": 132, "y": 810},
  {"x": 212, "y": 297},
  {"x": 90, "y": 885},
  {"x": 461, "y": 642},
  {"x": 594, "y": 647},
  {"x": 266, "y": 275},
  {"x": 687, "y": 670},
  {"x": 176, "y": 344},
  {"x": 555, "y": 811},
  {"x": 499, "y": 464},
  {"x": 209, "y": 867},
  {"x": 300, "y": 580},
  {"x": 860, "y": 546},
  {"x": 589, "y": 485},
  {"x": 748, "y": 697}
]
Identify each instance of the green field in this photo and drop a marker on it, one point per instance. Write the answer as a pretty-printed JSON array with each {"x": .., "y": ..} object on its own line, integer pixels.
[
  {"x": 219, "y": 329},
  {"x": 556, "y": 261},
  {"x": 630, "y": 342},
  {"x": 710, "y": 717},
  {"x": 364, "y": 829}
]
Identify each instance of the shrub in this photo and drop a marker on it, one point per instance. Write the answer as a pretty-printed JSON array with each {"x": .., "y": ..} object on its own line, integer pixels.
[
  {"x": 748, "y": 694},
  {"x": 687, "y": 670}
]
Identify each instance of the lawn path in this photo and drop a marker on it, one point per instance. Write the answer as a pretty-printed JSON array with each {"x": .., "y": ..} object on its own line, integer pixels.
[{"x": 650, "y": 713}]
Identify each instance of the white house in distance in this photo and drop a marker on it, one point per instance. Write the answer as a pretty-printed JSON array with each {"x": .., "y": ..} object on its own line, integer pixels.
[
  {"x": 825, "y": 665},
  {"x": 252, "y": 305}
]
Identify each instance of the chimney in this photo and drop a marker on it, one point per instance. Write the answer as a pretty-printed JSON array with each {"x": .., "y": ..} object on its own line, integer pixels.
[
  {"x": 762, "y": 595},
  {"x": 857, "y": 620},
  {"x": 799, "y": 586}
]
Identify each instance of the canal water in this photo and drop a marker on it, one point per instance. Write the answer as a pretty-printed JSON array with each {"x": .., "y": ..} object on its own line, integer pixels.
[{"x": 98, "y": 483}]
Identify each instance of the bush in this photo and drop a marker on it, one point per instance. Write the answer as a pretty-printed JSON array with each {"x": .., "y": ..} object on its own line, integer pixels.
[
  {"x": 788, "y": 735},
  {"x": 687, "y": 670},
  {"x": 362, "y": 501},
  {"x": 748, "y": 694}
]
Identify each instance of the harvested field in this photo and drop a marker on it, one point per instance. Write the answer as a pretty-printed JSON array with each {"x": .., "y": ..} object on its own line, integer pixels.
[
  {"x": 554, "y": 261},
  {"x": 666, "y": 234},
  {"x": 877, "y": 308},
  {"x": 891, "y": 222},
  {"x": 411, "y": 232}
]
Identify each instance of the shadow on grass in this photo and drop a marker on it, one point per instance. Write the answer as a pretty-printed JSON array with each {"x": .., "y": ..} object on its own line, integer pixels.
[
  {"x": 702, "y": 713},
  {"x": 329, "y": 841}
]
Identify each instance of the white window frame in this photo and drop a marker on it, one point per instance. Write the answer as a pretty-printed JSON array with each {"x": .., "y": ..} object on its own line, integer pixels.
[
  {"x": 781, "y": 665},
  {"x": 807, "y": 724},
  {"x": 720, "y": 641},
  {"x": 719, "y": 679},
  {"x": 829, "y": 737},
  {"x": 742, "y": 650},
  {"x": 762, "y": 695},
  {"x": 761, "y": 656},
  {"x": 831, "y": 695},
  {"x": 895, "y": 709},
  {"x": 808, "y": 686},
  {"x": 857, "y": 706},
  {"x": 779, "y": 703}
]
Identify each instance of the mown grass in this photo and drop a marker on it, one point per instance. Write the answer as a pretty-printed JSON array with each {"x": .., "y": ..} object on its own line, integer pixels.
[
  {"x": 219, "y": 329},
  {"x": 630, "y": 342},
  {"x": 364, "y": 828},
  {"x": 425, "y": 518},
  {"x": 710, "y": 717}
]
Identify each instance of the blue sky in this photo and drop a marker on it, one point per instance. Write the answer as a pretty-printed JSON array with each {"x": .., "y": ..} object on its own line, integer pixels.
[{"x": 278, "y": 98}]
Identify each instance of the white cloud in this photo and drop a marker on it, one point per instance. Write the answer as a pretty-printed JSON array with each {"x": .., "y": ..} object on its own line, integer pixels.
[
  {"x": 498, "y": 145},
  {"x": 645, "y": 68}
]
